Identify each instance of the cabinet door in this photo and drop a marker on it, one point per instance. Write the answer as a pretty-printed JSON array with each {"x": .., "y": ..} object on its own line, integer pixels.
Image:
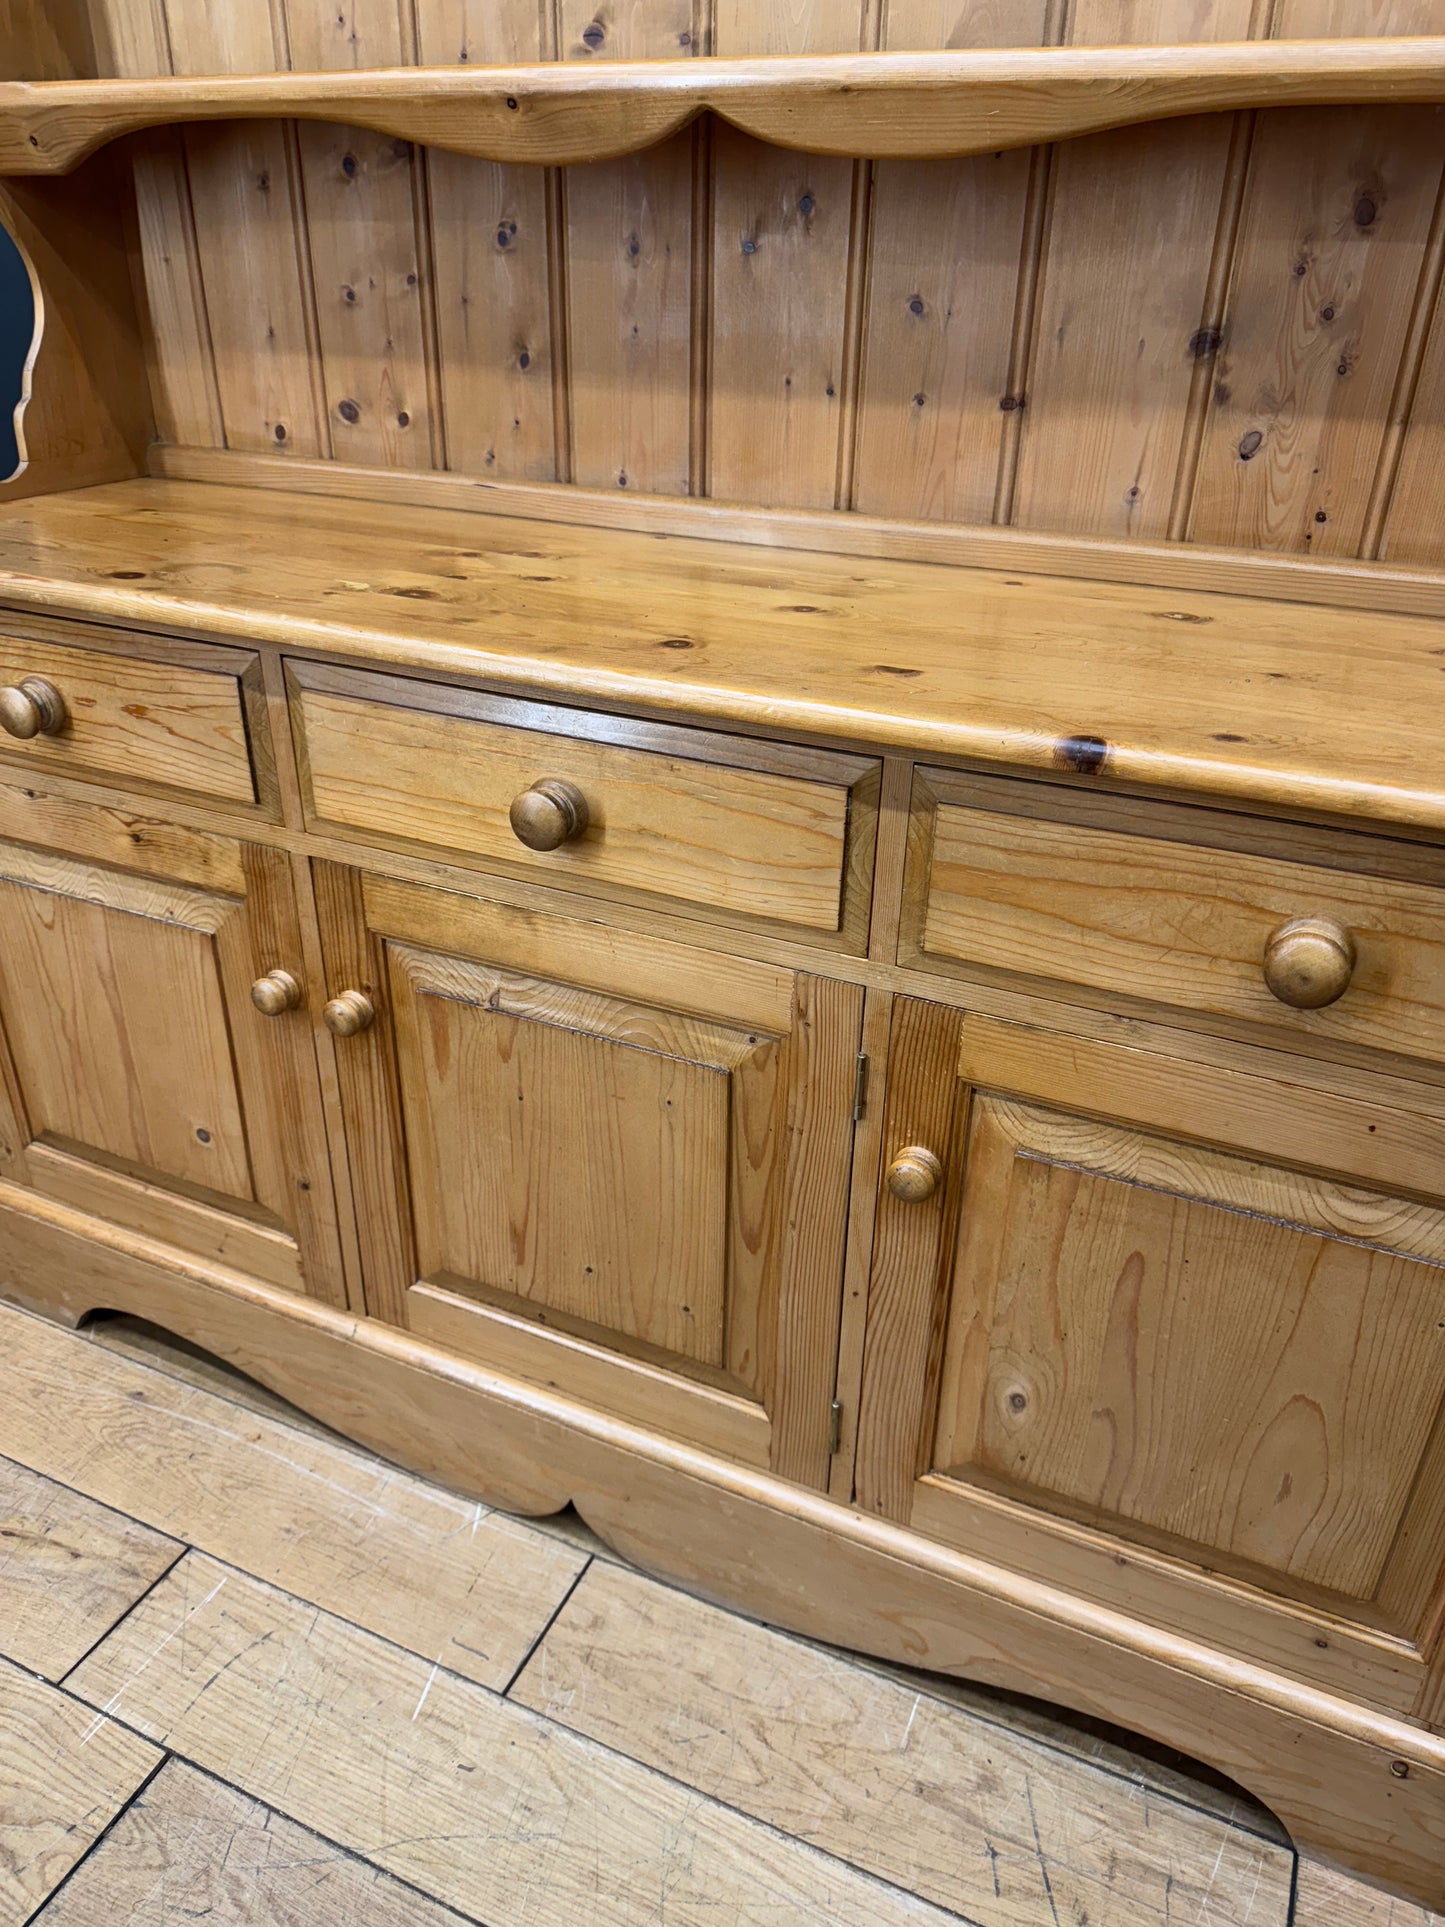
[
  {"x": 1169, "y": 1335},
  {"x": 142, "y": 1084},
  {"x": 602, "y": 1161}
]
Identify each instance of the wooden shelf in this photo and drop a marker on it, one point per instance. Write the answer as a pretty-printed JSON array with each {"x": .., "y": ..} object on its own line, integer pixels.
[
  {"x": 879, "y": 105},
  {"x": 1229, "y": 697}
]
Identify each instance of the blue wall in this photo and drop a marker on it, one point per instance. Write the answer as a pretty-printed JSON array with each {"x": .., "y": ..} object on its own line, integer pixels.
[{"x": 17, "y": 325}]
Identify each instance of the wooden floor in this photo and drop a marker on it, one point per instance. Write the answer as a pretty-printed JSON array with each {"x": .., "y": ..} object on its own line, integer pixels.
[{"x": 252, "y": 1674}]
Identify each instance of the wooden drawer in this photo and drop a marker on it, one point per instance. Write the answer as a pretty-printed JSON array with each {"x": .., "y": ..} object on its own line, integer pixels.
[
  {"x": 136, "y": 712},
  {"x": 728, "y": 827},
  {"x": 1131, "y": 900}
]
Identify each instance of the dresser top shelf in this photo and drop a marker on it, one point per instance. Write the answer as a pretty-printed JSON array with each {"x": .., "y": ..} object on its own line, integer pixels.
[
  {"x": 880, "y": 105},
  {"x": 1236, "y": 698}
]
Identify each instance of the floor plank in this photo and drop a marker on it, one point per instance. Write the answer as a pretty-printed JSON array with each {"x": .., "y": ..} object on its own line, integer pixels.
[
  {"x": 440, "y": 1575},
  {"x": 191, "y": 1849},
  {"x": 163, "y": 1351},
  {"x": 65, "y": 1772},
  {"x": 1129, "y": 1756},
  {"x": 981, "y": 1821},
  {"x": 68, "y": 1569},
  {"x": 1330, "y": 1899},
  {"x": 475, "y": 1800}
]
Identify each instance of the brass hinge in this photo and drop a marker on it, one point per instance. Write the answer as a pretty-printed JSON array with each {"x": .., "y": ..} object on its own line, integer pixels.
[
  {"x": 860, "y": 1087},
  {"x": 835, "y": 1427}
]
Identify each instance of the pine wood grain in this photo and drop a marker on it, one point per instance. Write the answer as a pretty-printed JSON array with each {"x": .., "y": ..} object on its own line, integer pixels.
[
  {"x": 385, "y": 756},
  {"x": 150, "y": 721},
  {"x": 582, "y": 1172},
  {"x": 436, "y": 1574},
  {"x": 989, "y": 1825},
  {"x": 1105, "y": 1334},
  {"x": 249, "y": 240},
  {"x": 1183, "y": 923},
  {"x": 399, "y": 1760},
  {"x": 1123, "y": 681},
  {"x": 69, "y": 1569},
  {"x": 943, "y": 277},
  {"x": 1121, "y": 322},
  {"x": 492, "y": 254},
  {"x": 87, "y": 953},
  {"x": 65, "y": 1772},
  {"x": 890, "y": 106},
  {"x": 366, "y": 257},
  {"x": 188, "y": 1848},
  {"x": 629, "y": 251},
  {"x": 780, "y": 245},
  {"x": 1330, "y": 250}
]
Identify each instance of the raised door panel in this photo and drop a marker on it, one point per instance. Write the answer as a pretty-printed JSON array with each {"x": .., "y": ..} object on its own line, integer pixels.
[
  {"x": 1172, "y": 1336},
  {"x": 143, "y": 1086},
  {"x": 608, "y": 1162}
]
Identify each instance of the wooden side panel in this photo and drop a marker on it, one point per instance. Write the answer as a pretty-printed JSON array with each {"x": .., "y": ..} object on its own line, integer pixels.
[
  {"x": 366, "y": 264},
  {"x": 47, "y": 40},
  {"x": 88, "y": 415}
]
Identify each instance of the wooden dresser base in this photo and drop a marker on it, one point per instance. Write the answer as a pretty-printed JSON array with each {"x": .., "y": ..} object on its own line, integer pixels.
[{"x": 1355, "y": 1786}]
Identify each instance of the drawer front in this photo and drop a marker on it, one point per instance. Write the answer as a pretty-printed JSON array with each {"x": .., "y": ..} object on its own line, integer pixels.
[
  {"x": 728, "y": 827},
  {"x": 1173, "y": 922},
  {"x": 178, "y": 722}
]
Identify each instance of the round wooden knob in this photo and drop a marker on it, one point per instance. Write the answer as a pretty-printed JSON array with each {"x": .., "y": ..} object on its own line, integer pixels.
[
  {"x": 914, "y": 1174},
  {"x": 348, "y": 1014},
  {"x": 275, "y": 993},
  {"x": 1308, "y": 963},
  {"x": 552, "y": 812},
  {"x": 33, "y": 707}
]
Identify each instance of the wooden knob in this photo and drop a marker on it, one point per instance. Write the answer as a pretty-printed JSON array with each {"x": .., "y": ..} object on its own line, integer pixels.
[
  {"x": 348, "y": 1014},
  {"x": 275, "y": 993},
  {"x": 1308, "y": 963},
  {"x": 552, "y": 812},
  {"x": 33, "y": 707},
  {"x": 914, "y": 1174}
]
